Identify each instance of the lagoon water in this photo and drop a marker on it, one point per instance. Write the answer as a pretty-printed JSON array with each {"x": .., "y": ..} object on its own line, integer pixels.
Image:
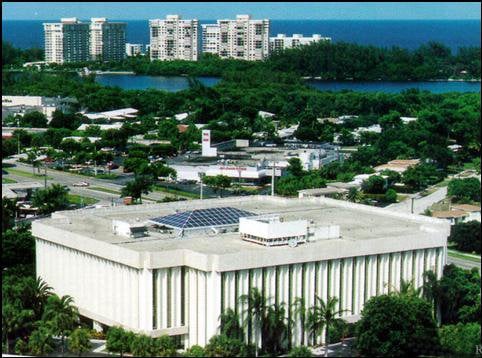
[
  {"x": 178, "y": 83},
  {"x": 166, "y": 83}
]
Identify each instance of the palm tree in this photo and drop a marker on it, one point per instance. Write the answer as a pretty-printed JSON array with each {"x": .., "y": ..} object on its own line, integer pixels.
[
  {"x": 407, "y": 288},
  {"x": 431, "y": 292},
  {"x": 300, "y": 311},
  {"x": 275, "y": 329},
  {"x": 354, "y": 195},
  {"x": 60, "y": 315},
  {"x": 324, "y": 315},
  {"x": 41, "y": 291},
  {"x": 256, "y": 310},
  {"x": 230, "y": 324}
]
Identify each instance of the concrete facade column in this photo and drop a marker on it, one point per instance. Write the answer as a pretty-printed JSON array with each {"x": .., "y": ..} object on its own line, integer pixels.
[{"x": 145, "y": 299}]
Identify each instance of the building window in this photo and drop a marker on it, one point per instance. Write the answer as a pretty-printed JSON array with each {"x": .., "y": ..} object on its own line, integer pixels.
[
  {"x": 258, "y": 44},
  {"x": 259, "y": 29},
  {"x": 224, "y": 37},
  {"x": 155, "y": 32}
]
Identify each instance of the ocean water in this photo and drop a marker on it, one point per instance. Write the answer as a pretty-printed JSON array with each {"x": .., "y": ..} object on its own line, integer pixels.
[{"x": 408, "y": 33}]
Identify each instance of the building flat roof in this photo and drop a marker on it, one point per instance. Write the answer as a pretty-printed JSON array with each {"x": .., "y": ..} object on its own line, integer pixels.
[{"x": 364, "y": 230}]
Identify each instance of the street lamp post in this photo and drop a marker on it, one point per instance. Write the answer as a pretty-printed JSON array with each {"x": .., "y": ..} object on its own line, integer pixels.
[{"x": 201, "y": 176}]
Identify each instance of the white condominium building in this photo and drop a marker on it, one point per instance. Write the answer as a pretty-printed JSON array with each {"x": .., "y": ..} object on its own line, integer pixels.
[
  {"x": 174, "y": 39},
  {"x": 282, "y": 42},
  {"x": 133, "y": 49},
  {"x": 67, "y": 41},
  {"x": 107, "y": 39},
  {"x": 173, "y": 268},
  {"x": 243, "y": 38}
]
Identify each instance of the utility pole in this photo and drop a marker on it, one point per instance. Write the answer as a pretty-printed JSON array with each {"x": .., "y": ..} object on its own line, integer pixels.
[
  {"x": 45, "y": 177},
  {"x": 201, "y": 175},
  {"x": 272, "y": 178},
  {"x": 413, "y": 199},
  {"x": 18, "y": 136}
]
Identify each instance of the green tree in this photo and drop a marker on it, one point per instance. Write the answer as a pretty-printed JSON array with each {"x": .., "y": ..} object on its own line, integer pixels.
[
  {"x": 222, "y": 346},
  {"x": 420, "y": 176},
  {"x": 467, "y": 189},
  {"x": 51, "y": 199},
  {"x": 466, "y": 236},
  {"x": 41, "y": 341},
  {"x": 324, "y": 315},
  {"x": 142, "y": 346},
  {"x": 300, "y": 311},
  {"x": 135, "y": 188},
  {"x": 14, "y": 318},
  {"x": 195, "y": 351},
  {"x": 9, "y": 210},
  {"x": 118, "y": 340},
  {"x": 301, "y": 351},
  {"x": 60, "y": 316},
  {"x": 217, "y": 182},
  {"x": 397, "y": 326},
  {"x": 164, "y": 346},
  {"x": 460, "y": 339},
  {"x": 354, "y": 195},
  {"x": 230, "y": 326},
  {"x": 459, "y": 295},
  {"x": 375, "y": 184},
  {"x": 295, "y": 167},
  {"x": 274, "y": 330},
  {"x": 34, "y": 120},
  {"x": 256, "y": 308},
  {"x": 21, "y": 347},
  {"x": 79, "y": 341},
  {"x": 390, "y": 196}
]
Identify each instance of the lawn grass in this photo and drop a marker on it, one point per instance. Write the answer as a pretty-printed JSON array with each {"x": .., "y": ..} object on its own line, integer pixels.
[
  {"x": 78, "y": 199},
  {"x": 464, "y": 256},
  {"x": 443, "y": 183},
  {"x": 8, "y": 181},
  {"x": 21, "y": 173},
  {"x": 105, "y": 190},
  {"x": 176, "y": 192}
]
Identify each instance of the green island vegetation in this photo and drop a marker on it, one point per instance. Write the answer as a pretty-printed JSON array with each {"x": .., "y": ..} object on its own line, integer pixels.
[
  {"x": 440, "y": 319},
  {"x": 329, "y": 61}
]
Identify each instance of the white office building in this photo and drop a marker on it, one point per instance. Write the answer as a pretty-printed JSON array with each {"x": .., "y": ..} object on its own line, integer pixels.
[
  {"x": 243, "y": 38},
  {"x": 107, "y": 39},
  {"x": 173, "y": 268},
  {"x": 283, "y": 42},
  {"x": 173, "y": 39},
  {"x": 133, "y": 49},
  {"x": 67, "y": 41}
]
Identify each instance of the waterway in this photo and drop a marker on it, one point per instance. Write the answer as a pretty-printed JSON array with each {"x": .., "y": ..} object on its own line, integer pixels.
[{"x": 178, "y": 83}]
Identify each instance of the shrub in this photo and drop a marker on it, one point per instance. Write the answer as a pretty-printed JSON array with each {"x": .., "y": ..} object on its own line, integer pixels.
[
  {"x": 301, "y": 351},
  {"x": 460, "y": 339},
  {"x": 464, "y": 189},
  {"x": 195, "y": 351},
  {"x": 390, "y": 196},
  {"x": 466, "y": 236}
]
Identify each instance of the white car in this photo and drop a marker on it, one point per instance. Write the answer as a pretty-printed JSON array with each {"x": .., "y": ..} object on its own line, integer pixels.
[{"x": 81, "y": 183}]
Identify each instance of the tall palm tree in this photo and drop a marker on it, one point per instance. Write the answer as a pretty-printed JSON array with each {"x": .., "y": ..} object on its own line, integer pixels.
[
  {"x": 275, "y": 329},
  {"x": 324, "y": 315},
  {"x": 256, "y": 310},
  {"x": 300, "y": 311},
  {"x": 41, "y": 292},
  {"x": 60, "y": 315},
  {"x": 431, "y": 292}
]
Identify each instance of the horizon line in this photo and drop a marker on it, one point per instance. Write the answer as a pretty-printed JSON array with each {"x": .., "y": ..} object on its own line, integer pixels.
[{"x": 141, "y": 19}]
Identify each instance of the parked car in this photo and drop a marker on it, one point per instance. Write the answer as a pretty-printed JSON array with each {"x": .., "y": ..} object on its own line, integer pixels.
[
  {"x": 81, "y": 184},
  {"x": 112, "y": 166}
]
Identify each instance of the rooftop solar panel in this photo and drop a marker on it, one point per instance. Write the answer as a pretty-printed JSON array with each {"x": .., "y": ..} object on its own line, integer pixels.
[{"x": 200, "y": 218}]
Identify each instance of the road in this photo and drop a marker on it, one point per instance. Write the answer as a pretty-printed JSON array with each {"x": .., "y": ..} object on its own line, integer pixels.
[
  {"x": 465, "y": 264},
  {"x": 69, "y": 179},
  {"x": 419, "y": 204}
]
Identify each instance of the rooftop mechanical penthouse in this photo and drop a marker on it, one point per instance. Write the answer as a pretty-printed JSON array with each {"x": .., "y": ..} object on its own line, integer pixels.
[{"x": 173, "y": 268}]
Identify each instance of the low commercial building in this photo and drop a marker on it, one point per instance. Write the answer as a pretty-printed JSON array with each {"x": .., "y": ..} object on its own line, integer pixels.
[
  {"x": 473, "y": 211},
  {"x": 174, "y": 268},
  {"x": 19, "y": 190},
  {"x": 115, "y": 115},
  {"x": 19, "y": 105},
  {"x": 452, "y": 216}
]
